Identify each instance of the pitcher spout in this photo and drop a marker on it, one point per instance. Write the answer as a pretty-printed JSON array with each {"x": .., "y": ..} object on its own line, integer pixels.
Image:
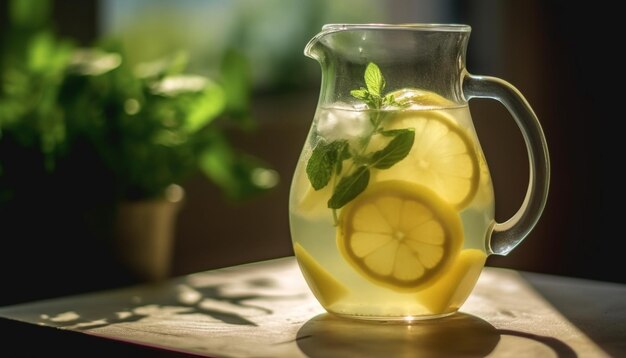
[
  {"x": 311, "y": 49},
  {"x": 410, "y": 55}
]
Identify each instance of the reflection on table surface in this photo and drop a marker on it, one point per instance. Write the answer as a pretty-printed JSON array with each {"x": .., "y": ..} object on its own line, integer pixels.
[
  {"x": 459, "y": 335},
  {"x": 265, "y": 309}
]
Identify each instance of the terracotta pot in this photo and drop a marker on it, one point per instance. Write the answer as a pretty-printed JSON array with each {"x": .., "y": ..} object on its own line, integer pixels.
[{"x": 144, "y": 238}]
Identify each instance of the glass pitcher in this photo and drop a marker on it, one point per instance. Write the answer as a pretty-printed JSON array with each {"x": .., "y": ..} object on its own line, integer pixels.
[{"x": 391, "y": 204}]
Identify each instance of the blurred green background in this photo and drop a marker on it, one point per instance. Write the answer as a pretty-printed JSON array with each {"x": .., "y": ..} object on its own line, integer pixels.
[{"x": 532, "y": 44}]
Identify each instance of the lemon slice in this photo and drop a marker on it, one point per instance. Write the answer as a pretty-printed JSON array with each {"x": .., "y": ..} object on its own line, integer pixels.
[
  {"x": 324, "y": 286},
  {"x": 453, "y": 288},
  {"x": 443, "y": 157},
  {"x": 399, "y": 234},
  {"x": 417, "y": 97}
]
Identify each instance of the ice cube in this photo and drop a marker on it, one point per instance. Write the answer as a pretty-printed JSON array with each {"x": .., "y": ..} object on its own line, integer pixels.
[{"x": 341, "y": 122}]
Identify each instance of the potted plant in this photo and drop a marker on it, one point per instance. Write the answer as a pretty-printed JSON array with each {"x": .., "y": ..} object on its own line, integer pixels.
[
  {"x": 153, "y": 126},
  {"x": 93, "y": 149}
]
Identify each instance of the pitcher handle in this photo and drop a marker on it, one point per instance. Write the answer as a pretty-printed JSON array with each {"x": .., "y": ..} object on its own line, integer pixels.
[{"x": 507, "y": 235}]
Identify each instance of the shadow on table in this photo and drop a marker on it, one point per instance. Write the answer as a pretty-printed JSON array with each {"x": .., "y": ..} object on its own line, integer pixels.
[
  {"x": 593, "y": 307},
  {"x": 212, "y": 301},
  {"x": 458, "y": 335}
]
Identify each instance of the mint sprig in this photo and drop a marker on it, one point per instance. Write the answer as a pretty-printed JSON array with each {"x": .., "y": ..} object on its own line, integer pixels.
[
  {"x": 373, "y": 94},
  {"x": 347, "y": 165}
]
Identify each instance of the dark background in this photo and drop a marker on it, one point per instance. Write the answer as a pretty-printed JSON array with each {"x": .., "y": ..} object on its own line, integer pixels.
[{"x": 548, "y": 50}]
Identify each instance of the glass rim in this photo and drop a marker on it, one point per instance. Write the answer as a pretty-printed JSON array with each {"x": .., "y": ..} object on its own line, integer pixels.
[{"x": 409, "y": 26}]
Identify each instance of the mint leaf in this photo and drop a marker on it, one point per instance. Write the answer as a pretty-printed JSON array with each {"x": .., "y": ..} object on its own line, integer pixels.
[
  {"x": 389, "y": 100},
  {"x": 323, "y": 161},
  {"x": 361, "y": 94},
  {"x": 395, "y": 151},
  {"x": 374, "y": 80},
  {"x": 349, "y": 187}
]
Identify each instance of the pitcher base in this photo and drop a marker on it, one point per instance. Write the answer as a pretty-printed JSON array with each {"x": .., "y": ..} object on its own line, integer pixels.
[{"x": 393, "y": 319}]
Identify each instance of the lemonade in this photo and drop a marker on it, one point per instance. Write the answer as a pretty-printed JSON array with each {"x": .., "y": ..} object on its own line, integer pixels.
[
  {"x": 391, "y": 207},
  {"x": 391, "y": 204}
]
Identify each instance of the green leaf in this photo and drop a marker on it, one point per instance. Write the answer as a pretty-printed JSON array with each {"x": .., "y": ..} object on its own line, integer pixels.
[
  {"x": 323, "y": 160},
  {"x": 361, "y": 94},
  {"x": 389, "y": 100},
  {"x": 172, "y": 65},
  {"x": 393, "y": 132},
  {"x": 205, "y": 108},
  {"x": 236, "y": 80},
  {"x": 93, "y": 62},
  {"x": 238, "y": 175},
  {"x": 374, "y": 80},
  {"x": 176, "y": 85},
  {"x": 395, "y": 151},
  {"x": 40, "y": 49},
  {"x": 349, "y": 187},
  {"x": 218, "y": 162}
]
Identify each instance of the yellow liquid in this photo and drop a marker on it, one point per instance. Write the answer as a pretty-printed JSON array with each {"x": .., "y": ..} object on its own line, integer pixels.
[{"x": 346, "y": 291}]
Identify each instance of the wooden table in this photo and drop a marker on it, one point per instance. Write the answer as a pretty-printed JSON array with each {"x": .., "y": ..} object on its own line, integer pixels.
[{"x": 266, "y": 310}]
